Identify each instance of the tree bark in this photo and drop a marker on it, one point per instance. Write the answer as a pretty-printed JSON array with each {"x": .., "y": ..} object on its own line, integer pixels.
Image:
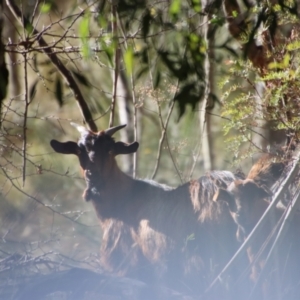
[
  {"x": 3, "y": 68},
  {"x": 205, "y": 118}
]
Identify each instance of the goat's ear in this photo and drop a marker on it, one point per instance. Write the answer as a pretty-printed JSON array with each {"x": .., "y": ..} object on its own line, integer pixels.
[
  {"x": 65, "y": 148},
  {"x": 123, "y": 148}
]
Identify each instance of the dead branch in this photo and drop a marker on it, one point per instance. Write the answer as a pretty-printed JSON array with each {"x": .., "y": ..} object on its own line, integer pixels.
[
  {"x": 85, "y": 111},
  {"x": 3, "y": 69},
  {"x": 26, "y": 105},
  {"x": 116, "y": 71}
]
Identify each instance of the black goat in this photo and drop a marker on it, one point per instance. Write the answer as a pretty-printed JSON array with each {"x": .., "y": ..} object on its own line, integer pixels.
[{"x": 148, "y": 229}]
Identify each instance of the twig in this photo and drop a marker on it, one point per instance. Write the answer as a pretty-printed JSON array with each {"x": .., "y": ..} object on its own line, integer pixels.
[
  {"x": 3, "y": 69},
  {"x": 37, "y": 200},
  {"x": 172, "y": 157},
  {"x": 163, "y": 137},
  {"x": 116, "y": 71},
  {"x": 164, "y": 127},
  {"x": 34, "y": 10},
  {"x": 26, "y": 105},
  {"x": 134, "y": 123},
  {"x": 85, "y": 111},
  {"x": 230, "y": 120}
]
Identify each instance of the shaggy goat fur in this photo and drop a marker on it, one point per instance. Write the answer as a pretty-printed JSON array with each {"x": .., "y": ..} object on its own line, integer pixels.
[
  {"x": 177, "y": 236},
  {"x": 248, "y": 201}
]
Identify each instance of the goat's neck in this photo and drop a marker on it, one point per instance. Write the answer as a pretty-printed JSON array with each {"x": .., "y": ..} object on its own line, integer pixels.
[
  {"x": 256, "y": 213},
  {"x": 258, "y": 210},
  {"x": 109, "y": 180},
  {"x": 249, "y": 218},
  {"x": 107, "y": 190},
  {"x": 115, "y": 182}
]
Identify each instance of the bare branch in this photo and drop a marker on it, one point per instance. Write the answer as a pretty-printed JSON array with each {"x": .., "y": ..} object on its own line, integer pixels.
[
  {"x": 38, "y": 200},
  {"x": 85, "y": 111},
  {"x": 3, "y": 68},
  {"x": 26, "y": 105},
  {"x": 164, "y": 126},
  {"x": 116, "y": 71}
]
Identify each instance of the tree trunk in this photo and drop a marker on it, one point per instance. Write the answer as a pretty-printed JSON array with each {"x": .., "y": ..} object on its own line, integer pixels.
[{"x": 205, "y": 118}]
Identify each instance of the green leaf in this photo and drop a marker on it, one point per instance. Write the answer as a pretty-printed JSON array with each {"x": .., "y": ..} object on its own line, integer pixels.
[
  {"x": 293, "y": 46},
  {"x": 29, "y": 27},
  {"x": 146, "y": 23},
  {"x": 59, "y": 91},
  {"x": 217, "y": 21},
  {"x": 3, "y": 82},
  {"x": 286, "y": 60},
  {"x": 128, "y": 59},
  {"x": 157, "y": 79},
  {"x": 34, "y": 60},
  {"x": 102, "y": 21},
  {"x": 32, "y": 90},
  {"x": 196, "y": 4},
  {"x": 178, "y": 67},
  {"x": 110, "y": 54},
  {"x": 84, "y": 27},
  {"x": 107, "y": 46},
  {"x": 175, "y": 7},
  {"x": 141, "y": 72},
  {"x": 81, "y": 78},
  {"x": 235, "y": 14},
  {"x": 84, "y": 30},
  {"x": 85, "y": 50},
  {"x": 45, "y": 7},
  {"x": 189, "y": 94}
]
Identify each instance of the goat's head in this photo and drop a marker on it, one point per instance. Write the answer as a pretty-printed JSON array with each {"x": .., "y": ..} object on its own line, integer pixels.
[
  {"x": 96, "y": 152},
  {"x": 246, "y": 201}
]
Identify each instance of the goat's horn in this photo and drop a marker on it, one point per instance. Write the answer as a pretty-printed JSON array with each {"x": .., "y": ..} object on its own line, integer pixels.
[
  {"x": 80, "y": 128},
  {"x": 111, "y": 131}
]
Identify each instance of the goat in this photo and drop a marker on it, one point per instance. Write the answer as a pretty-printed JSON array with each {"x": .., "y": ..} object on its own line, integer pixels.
[
  {"x": 247, "y": 200},
  {"x": 181, "y": 230}
]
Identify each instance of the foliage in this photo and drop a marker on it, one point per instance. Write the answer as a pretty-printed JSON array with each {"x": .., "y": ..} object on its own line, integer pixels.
[
  {"x": 40, "y": 190},
  {"x": 246, "y": 104},
  {"x": 102, "y": 63}
]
